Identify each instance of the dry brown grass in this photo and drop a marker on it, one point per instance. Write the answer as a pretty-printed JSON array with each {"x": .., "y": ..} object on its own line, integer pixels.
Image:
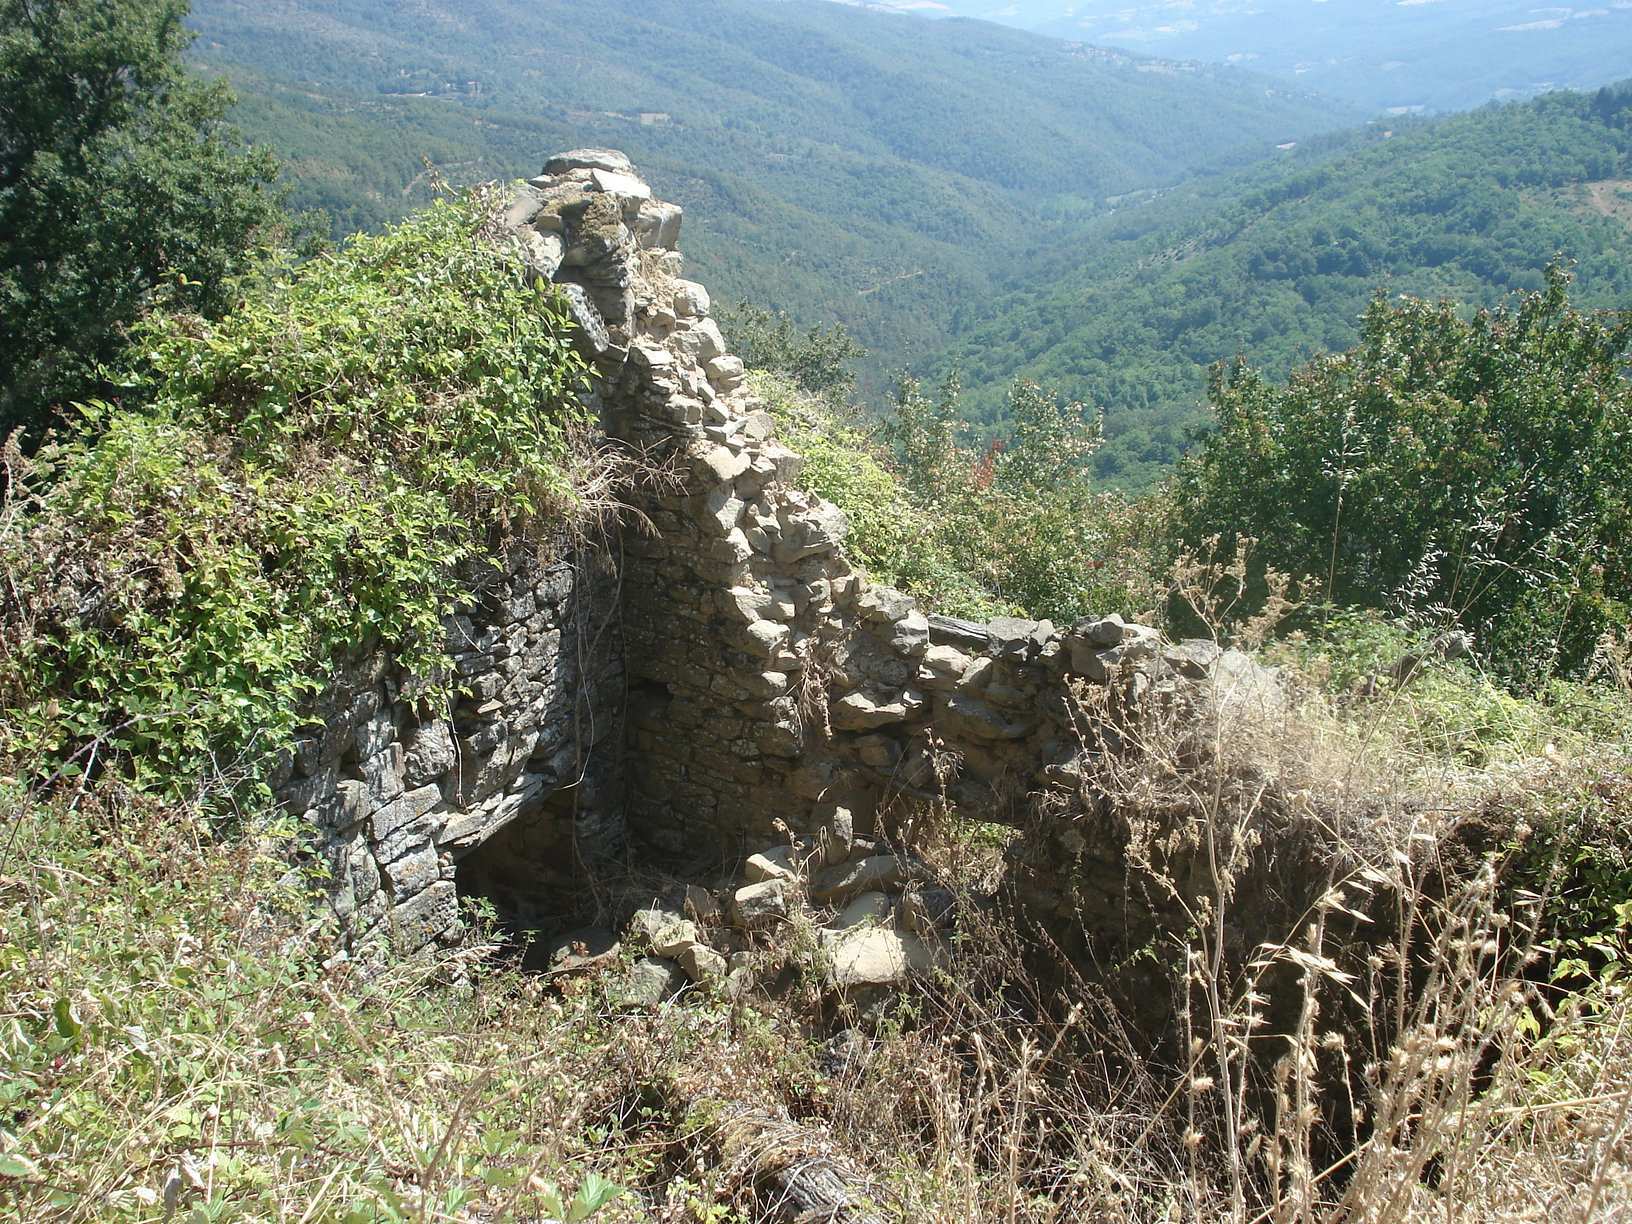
[{"x": 1354, "y": 1033}]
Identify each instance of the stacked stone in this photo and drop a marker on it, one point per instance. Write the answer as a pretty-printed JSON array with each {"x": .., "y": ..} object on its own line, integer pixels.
[
  {"x": 730, "y": 599},
  {"x": 877, "y": 918},
  {"x": 768, "y": 682},
  {"x": 400, "y": 793},
  {"x": 768, "y": 676}
]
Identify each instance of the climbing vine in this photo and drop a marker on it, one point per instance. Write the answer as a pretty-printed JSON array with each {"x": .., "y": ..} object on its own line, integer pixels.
[{"x": 277, "y": 491}]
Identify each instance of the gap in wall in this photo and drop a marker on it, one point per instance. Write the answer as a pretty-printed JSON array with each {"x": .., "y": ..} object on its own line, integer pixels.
[{"x": 529, "y": 873}]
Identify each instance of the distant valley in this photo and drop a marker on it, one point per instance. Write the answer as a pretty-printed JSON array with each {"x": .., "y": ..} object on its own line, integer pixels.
[
  {"x": 958, "y": 194},
  {"x": 1278, "y": 262},
  {"x": 1435, "y": 55},
  {"x": 837, "y": 163}
]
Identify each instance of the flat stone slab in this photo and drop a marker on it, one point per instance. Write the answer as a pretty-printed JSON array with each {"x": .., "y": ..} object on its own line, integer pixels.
[
  {"x": 649, "y": 982},
  {"x": 609, "y": 160},
  {"x": 626, "y": 185},
  {"x": 758, "y": 907},
  {"x": 869, "y": 909},
  {"x": 580, "y": 950},
  {"x": 976, "y": 719},
  {"x": 777, "y": 863},
  {"x": 876, "y": 873},
  {"x": 875, "y": 956},
  {"x": 863, "y": 711},
  {"x": 968, "y": 636},
  {"x": 663, "y": 930},
  {"x": 701, "y": 963}
]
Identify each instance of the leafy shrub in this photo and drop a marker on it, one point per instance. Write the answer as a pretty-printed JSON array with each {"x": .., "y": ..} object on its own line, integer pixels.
[
  {"x": 1018, "y": 530},
  {"x": 1466, "y": 470},
  {"x": 819, "y": 361},
  {"x": 1578, "y": 854},
  {"x": 119, "y": 182},
  {"x": 296, "y": 485},
  {"x": 1023, "y": 518}
]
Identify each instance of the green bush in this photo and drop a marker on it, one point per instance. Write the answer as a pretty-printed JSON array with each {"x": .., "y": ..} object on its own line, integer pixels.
[
  {"x": 1024, "y": 518},
  {"x": 819, "y": 361},
  {"x": 278, "y": 491},
  {"x": 1577, "y": 852},
  {"x": 891, "y": 537},
  {"x": 1466, "y": 470},
  {"x": 119, "y": 184},
  {"x": 1015, "y": 531}
]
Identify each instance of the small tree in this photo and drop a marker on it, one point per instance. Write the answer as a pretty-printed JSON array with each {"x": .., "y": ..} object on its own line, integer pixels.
[
  {"x": 1473, "y": 470},
  {"x": 1023, "y": 517},
  {"x": 923, "y": 434},
  {"x": 119, "y": 182}
]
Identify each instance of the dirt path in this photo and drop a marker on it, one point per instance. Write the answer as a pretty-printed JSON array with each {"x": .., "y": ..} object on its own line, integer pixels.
[{"x": 1611, "y": 198}]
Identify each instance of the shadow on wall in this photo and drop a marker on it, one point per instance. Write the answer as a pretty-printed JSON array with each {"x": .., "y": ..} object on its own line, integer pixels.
[{"x": 535, "y": 876}]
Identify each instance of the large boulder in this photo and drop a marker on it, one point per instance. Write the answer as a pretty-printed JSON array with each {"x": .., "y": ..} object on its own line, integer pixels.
[
  {"x": 872, "y": 956},
  {"x": 649, "y": 981},
  {"x": 876, "y": 873},
  {"x": 759, "y": 907}
]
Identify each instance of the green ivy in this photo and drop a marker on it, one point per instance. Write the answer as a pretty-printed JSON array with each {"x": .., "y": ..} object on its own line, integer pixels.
[{"x": 279, "y": 491}]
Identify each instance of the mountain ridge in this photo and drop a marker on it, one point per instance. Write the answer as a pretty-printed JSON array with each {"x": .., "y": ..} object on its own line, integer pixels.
[
  {"x": 1277, "y": 264},
  {"x": 842, "y": 165},
  {"x": 1441, "y": 56}
]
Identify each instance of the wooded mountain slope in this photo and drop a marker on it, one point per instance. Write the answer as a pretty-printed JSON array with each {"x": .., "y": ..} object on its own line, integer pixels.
[
  {"x": 1444, "y": 55},
  {"x": 1279, "y": 262},
  {"x": 835, "y": 162}
]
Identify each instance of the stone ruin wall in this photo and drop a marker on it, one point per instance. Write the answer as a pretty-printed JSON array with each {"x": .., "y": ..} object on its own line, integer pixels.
[
  {"x": 523, "y": 765},
  {"x": 769, "y": 680},
  {"x": 744, "y": 674}
]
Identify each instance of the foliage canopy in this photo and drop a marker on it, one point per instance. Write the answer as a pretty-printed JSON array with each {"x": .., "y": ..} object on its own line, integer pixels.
[
  {"x": 845, "y": 164},
  {"x": 119, "y": 185},
  {"x": 1472, "y": 470},
  {"x": 1279, "y": 262},
  {"x": 304, "y": 476}
]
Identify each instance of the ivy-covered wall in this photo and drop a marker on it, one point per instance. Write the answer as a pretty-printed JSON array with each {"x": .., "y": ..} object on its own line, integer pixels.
[{"x": 401, "y": 797}]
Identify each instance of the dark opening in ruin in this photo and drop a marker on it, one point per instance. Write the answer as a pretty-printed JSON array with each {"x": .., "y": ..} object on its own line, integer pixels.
[{"x": 530, "y": 875}]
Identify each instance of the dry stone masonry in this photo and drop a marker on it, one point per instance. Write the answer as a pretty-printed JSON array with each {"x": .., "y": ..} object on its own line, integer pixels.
[
  {"x": 521, "y": 773},
  {"x": 770, "y": 686},
  {"x": 875, "y": 920}
]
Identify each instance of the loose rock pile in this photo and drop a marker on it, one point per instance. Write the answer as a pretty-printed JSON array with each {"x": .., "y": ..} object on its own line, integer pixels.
[{"x": 858, "y": 919}]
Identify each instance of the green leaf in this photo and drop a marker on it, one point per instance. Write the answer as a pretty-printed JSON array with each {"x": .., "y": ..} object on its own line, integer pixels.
[
  {"x": 68, "y": 1024},
  {"x": 14, "y": 1164},
  {"x": 595, "y": 1193}
]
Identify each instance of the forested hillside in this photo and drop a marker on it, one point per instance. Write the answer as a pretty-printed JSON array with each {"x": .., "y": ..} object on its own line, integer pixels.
[
  {"x": 398, "y": 669},
  {"x": 1444, "y": 55},
  {"x": 838, "y": 163},
  {"x": 1279, "y": 262}
]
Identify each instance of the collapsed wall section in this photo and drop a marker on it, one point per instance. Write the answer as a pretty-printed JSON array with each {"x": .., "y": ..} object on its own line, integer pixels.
[
  {"x": 732, "y": 676},
  {"x": 770, "y": 682},
  {"x": 774, "y": 690}
]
